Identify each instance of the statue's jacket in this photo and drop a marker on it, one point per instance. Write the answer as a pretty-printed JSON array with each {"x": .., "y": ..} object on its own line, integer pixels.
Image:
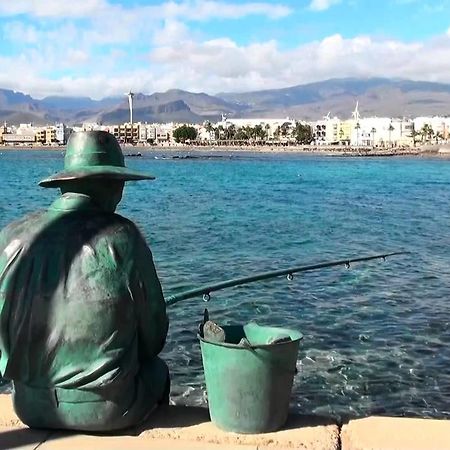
[{"x": 82, "y": 315}]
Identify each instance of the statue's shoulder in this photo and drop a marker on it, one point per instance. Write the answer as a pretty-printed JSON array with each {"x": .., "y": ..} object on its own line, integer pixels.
[
  {"x": 26, "y": 225},
  {"x": 112, "y": 228},
  {"x": 123, "y": 224},
  {"x": 129, "y": 230}
]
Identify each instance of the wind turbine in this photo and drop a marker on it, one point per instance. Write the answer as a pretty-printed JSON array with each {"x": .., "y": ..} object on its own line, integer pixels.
[
  {"x": 355, "y": 113},
  {"x": 130, "y": 96}
]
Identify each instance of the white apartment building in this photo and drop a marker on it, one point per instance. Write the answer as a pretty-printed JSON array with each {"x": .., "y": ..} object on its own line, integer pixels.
[
  {"x": 146, "y": 133},
  {"x": 364, "y": 132},
  {"x": 25, "y": 133},
  {"x": 381, "y": 132},
  {"x": 326, "y": 131},
  {"x": 143, "y": 133},
  {"x": 62, "y": 133}
]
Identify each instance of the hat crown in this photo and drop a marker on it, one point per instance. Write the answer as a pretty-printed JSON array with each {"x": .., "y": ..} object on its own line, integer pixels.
[
  {"x": 91, "y": 149},
  {"x": 93, "y": 154}
]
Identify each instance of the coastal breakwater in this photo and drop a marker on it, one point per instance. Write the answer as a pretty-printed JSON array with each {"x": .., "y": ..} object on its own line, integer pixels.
[{"x": 189, "y": 428}]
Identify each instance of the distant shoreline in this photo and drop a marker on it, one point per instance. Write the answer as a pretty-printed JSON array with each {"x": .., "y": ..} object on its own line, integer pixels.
[{"x": 431, "y": 151}]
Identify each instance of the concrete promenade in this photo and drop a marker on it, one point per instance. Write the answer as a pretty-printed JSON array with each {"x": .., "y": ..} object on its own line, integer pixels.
[{"x": 186, "y": 428}]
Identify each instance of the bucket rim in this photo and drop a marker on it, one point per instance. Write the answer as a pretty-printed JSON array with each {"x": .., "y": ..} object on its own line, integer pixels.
[{"x": 259, "y": 346}]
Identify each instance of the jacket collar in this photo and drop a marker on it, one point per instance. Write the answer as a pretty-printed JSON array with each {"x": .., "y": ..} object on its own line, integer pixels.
[{"x": 73, "y": 202}]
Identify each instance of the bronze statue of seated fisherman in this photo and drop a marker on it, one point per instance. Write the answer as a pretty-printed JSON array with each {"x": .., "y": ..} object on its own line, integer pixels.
[{"x": 82, "y": 313}]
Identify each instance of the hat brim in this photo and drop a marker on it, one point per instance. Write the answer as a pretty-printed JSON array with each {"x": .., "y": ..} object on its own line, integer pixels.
[{"x": 94, "y": 172}]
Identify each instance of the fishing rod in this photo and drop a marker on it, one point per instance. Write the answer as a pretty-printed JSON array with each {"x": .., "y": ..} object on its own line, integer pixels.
[{"x": 206, "y": 290}]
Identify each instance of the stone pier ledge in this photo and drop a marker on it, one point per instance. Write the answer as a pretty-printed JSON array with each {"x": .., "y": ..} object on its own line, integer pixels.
[
  {"x": 396, "y": 433},
  {"x": 172, "y": 427},
  {"x": 186, "y": 428}
]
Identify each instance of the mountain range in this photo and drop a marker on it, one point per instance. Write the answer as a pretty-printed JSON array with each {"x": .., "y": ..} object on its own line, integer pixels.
[{"x": 376, "y": 97}]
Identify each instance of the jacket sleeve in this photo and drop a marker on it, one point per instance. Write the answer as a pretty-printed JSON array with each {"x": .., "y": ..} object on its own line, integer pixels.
[
  {"x": 150, "y": 306},
  {"x": 4, "y": 331}
]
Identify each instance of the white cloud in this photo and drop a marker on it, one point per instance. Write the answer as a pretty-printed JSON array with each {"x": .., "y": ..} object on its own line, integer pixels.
[
  {"x": 60, "y": 57},
  {"x": 172, "y": 32},
  {"x": 104, "y": 9},
  {"x": 207, "y": 9},
  {"x": 101, "y": 23},
  {"x": 221, "y": 65},
  {"x": 77, "y": 57},
  {"x": 51, "y": 8},
  {"x": 322, "y": 5},
  {"x": 19, "y": 32}
]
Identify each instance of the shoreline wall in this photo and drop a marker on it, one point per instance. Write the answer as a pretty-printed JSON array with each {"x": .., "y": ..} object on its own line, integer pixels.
[{"x": 189, "y": 428}]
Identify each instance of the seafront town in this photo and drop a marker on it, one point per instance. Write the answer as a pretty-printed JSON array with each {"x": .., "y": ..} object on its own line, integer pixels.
[{"x": 360, "y": 132}]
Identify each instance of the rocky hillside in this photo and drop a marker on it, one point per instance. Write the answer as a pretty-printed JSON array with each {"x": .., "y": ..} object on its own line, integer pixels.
[{"x": 376, "y": 96}]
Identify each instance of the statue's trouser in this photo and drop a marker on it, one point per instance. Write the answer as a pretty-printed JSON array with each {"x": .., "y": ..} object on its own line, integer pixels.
[{"x": 124, "y": 405}]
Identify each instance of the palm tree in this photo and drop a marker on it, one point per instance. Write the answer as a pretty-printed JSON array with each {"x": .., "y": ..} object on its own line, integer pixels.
[
  {"x": 230, "y": 132},
  {"x": 427, "y": 132},
  {"x": 414, "y": 135},
  {"x": 285, "y": 128},
  {"x": 267, "y": 128},
  {"x": 373, "y": 131},
  {"x": 390, "y": 129},
  {"x": 240, "y": 134},
  {"x": 250, "y": 132},
  {"x": 209, "y": 128},
  {"x": 219, "y": 132},
  {"x": 276, "y": 133},
  {"x": 259, "y": 132},
  {"x": 357, "y": 127}
]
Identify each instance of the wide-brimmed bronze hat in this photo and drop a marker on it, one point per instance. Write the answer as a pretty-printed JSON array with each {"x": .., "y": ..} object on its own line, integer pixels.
[{"x": 93, "y": 154}]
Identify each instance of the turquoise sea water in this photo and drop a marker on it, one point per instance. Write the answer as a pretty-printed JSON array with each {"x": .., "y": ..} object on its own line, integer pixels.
[{"x": 376, "y": 337}]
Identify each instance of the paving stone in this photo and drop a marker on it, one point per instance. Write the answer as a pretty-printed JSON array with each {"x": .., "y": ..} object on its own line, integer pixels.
[
  {"x": 181, "y": 427},
  {"x": 395, "y": 433},
  {"x": 86, "y": 442},
  {"x": 193, "y": 424}
]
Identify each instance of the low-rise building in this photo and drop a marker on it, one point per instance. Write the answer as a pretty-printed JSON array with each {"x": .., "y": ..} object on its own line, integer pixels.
[
  {"x": 15, "y": 138},
  {"x": 345, "y": 132},
  {"x": 62, "y": 133},
  {"x": 3, "y": 130},
  {"x": 148, "y": 133},
  {"x": 126, "y": 133},
  {"x": 327, "y": 131},
  {"x": 41, "y": 136}
]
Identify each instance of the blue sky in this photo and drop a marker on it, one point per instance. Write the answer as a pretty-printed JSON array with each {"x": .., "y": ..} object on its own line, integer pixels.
[{"x": 106, "y": 47}]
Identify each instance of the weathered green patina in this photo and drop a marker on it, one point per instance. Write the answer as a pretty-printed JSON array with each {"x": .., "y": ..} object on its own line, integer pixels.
[{"x": 82, "y": 314}]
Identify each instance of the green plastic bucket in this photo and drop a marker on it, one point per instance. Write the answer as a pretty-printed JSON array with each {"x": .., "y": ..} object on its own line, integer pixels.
[{"x": 249, "y": 387}]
